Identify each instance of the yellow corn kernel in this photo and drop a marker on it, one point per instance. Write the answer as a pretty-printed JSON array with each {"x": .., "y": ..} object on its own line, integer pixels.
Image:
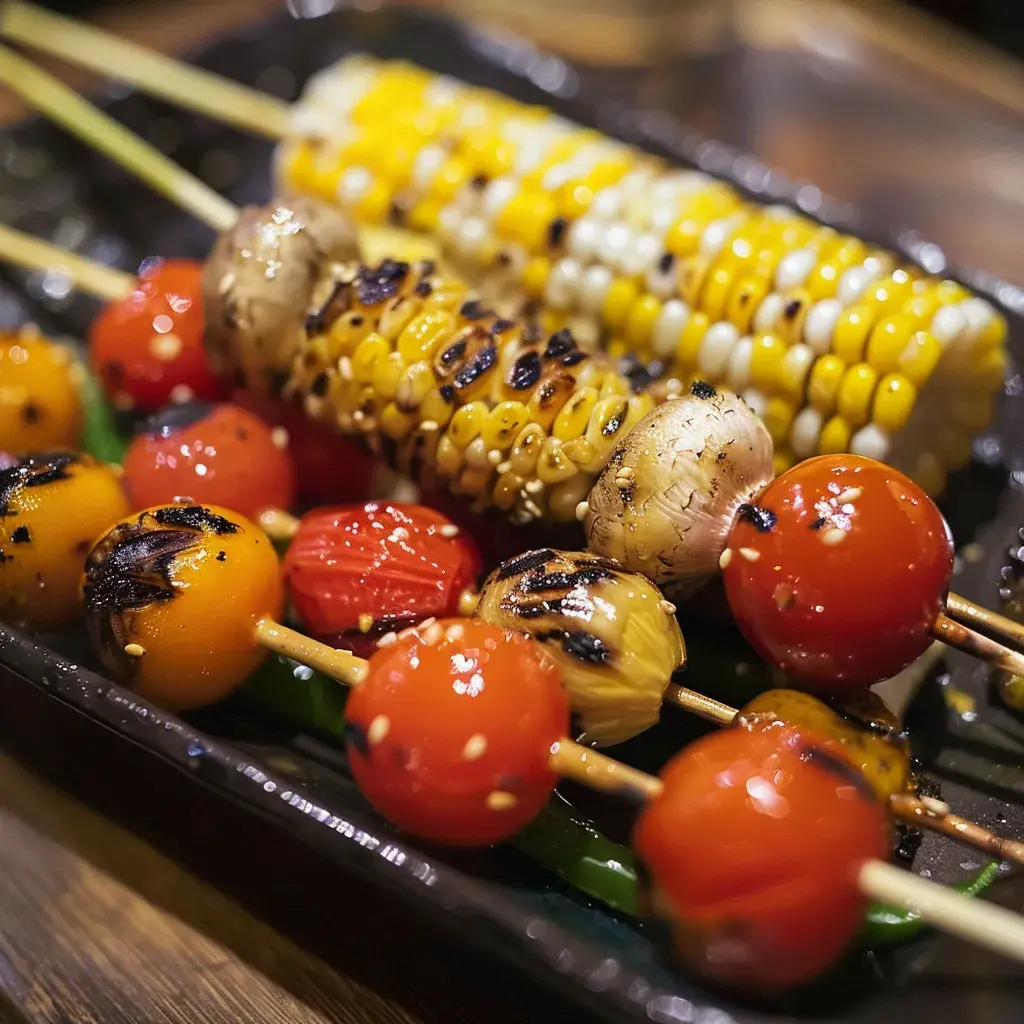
[
  {"x": 525, "y": 219},
  {"x": 370, "y": 351},
  {"x": 715, "y": 293},
  {"x": 922, "y": 307},
  {"x": 449, "y": 457},
  {"x": 474, "y": 481},
  {"x": 573, "y": 200},
  {"x": 571, "y": 421},
  {"x": 301, "y": 171},
  {"x": 949, "y": 291},
  {"x": 835, "y": 437},
  {"x": 607, "y": 422},
  {"x": 823, "y": 281},
  {"x": 920, "y": 357},
  {"x": 373, "y": 205},
  {"x": 387, "y": 375},
  {"x": 424, "y": 333},
  {"x": 467, "y": 423},
  {"x": 683, "y": 237},
  {"x": 791, "y": 323},
  {"x": 553, "y": 465},
  {"x": 890, "y": 293},
  {"x": 507, "y": 490},
  {"x": 618, "y": 301},
  {"x": 526, "y": 448},
  {"x": 434, "y": 409},
  {"x": 396, "y": 424},
  {"x": 454, "y": 173},
  {"x": 766, "y": 361},
  {"x": 565, "y": 497},
  {"x": 425, "y": 217},
  {"x": 503, "y": 424},
  {"x": 888, "y": 340},
  {"x": 783, "y": 459},
  {"x": 893, "y": 403},
  {"x": 396, "y": 162},
  {"x": 850, "y": 337},
  {"x": 477, "y": 455},
  {"x": 823, "y": 384},
  {"x": 414, "y": 387},
  {"x": 855, "y": 392},
  {"x": 793, "y": 371},
  {"x": 690, "y": 340},
  {"x": 490, "y": 154},
  {"x": 778, "y": 418},
  {"x": 396, "y": 317},
  {"x": 993, "y": 334},
  {"x": 640, "y": 321},
  {"x": 691, "y": 276},
  {"x": 535, "y": 276},
  {"x": 744, "y": 299}
]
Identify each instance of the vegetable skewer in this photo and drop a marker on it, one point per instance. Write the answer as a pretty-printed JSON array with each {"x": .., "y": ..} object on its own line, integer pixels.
[{"x": 836, "y": 346}]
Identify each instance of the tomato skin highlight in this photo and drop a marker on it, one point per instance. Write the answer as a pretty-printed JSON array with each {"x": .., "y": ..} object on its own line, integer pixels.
[
  {"x": 754, "y": 848},
  {"x": 219, "y": 455},
  {"x": 843, "y": 588},
  {"x": 449, "y": 736},
  {"x": 148, "y": 349},
  {"x": 393, "y": 561}
]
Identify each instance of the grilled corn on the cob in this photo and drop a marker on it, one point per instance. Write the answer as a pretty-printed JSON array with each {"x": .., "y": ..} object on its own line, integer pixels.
[{"x": 835, "y": 345}]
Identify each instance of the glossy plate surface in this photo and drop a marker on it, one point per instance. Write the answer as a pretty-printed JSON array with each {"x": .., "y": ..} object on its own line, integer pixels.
[{"x": 497, "y": 902}]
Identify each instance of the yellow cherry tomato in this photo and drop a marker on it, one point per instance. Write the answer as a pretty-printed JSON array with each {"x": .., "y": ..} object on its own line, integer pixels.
[
  {"x": 52, "y": 509},
  {"x": 172, "y": 598},
  {"x": 40, "y": 408}
]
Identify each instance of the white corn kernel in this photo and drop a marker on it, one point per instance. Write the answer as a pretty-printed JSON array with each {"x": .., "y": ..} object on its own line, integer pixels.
[
  {"x": 471, "y": 236},
  {"x": 716, "y": 347},
  {"x": 674, "y": 316},
  {"x": 979, "y": 315},
  {"x": 583, "y": 239},
  {"x": 715, "y": 236},
  {"x": 872, "y": 442},
  {"x": 429, "y": 161},
  {"x": 803, "y": 434},
  {"x": 352, "y": 184},
  {"x": 853, "y": 283},
  {"x": 642, "y": 254},
  {"x": 497, "y": 196},
  {"x": 607, "y": 204},
  {"x": 948, "y": 325},
  {"x": 738, "y": 372},
  {"x": 596, "y": 282},
  {"x": 614, "y": 246},
  {"x": 756, "y": 400},
  {"x": 563, "y": 284},
  {"x": 769, "y": 312},
  {"x": 661, "y": 276},
  {"x": 820, "y": 324},
  {"x": 794, "y": 268}
]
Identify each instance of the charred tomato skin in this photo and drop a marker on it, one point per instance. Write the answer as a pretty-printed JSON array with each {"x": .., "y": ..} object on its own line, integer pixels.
[
  {"x": 213, "y": 454},
  {"x": 754, "y": 848},
  {"x": 173, "y": 595},
  {"x": 449, "y": 736},
  {"x": 841, "y": 585}
]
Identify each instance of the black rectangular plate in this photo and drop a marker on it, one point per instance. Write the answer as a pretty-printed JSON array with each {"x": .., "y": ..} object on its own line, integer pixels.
[{"x": 496, "y": 902}]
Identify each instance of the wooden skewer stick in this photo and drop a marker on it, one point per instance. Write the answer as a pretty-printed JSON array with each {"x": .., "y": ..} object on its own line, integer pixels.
[
  {"x": 963, "y": 639},
  {"x": 343, "y": 666},
  {"x": 151, "y": 72},
  {"x": 53, "y": 98},
  {"x": 968, "y": 613}
]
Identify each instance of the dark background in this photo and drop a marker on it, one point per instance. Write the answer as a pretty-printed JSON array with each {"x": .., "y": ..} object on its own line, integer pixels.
[{"x": 1000, "y": 22}]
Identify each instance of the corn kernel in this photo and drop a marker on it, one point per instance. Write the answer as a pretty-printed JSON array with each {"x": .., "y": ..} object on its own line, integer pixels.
[
  {"x": 715, "y": 293},
  {"x": 766, "y": 361},
  {"x": 526, "y": 448},
  {"x": 526, "y": 218},
  {"x": 922, "y": 307},
  {"x": 692, "y": 274},
  {"x": 890, "y": 293},
  {"x": 396, "y": 424},
  {"x": 992, "y": 335},
  {"x": 851, "y": 334},
  {"x": 434, "y": 409},
  {"x": 823, "y": 384},
  {"x": 691, "y": 339},
  {"x": 573, "y": 200},
  {"x": 778, "y": 418},
  {"x": 535, "y": 276},
  {"x": 855, "y": 393},
  {"x": 466, "y": 424},
  {"x": 414, "y": 387},
  {"x": 619, "y": 300},
  {"x": 371, "y": 350},
  {"x": 744, "y": 299},
  {"x": 608, "y": 422},
  {"x": 503, "y": 424},
  {"x": 950, "y": 291},
  {"x": 893, "y": 403},
  {"x": 795, "y": 366},
  {"x": 684, "y": 237},
  {"x": 920, "y": 357},
  {"x": 454, "y": 173},
  {"x": 387, "y": 374},
  {"x": 553, "y": 465},
  {"x": 794, "y": 312},
  {"x": 783, "y": 459},
  {"x": 423, "y": 335},
  {"x": 824, "y": 280},
  {"x": 301, "y": 169},
  {"x": 989, "y": 372},
  {"x": 888, "y": 340},
  {"x": 835, "y": 437},
  {"x": 424, "y": 217},
  {"x": 507, "y": 490},
  {"x": 641, "y": 320},
  {"x": 373, "y": 205},
  {"x": 572, "y": 419},
  {"x": 449, "y": 457}
]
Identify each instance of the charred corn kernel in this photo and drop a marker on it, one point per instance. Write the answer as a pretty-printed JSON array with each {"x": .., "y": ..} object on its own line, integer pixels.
[
  {"x": 794, "y": 312},
  {"x": 746, "y": 295},
  {"x": 793, "y": 371},
  {"x": 640, "y": 322},
  {"x": 503, "y": 424},
  {"x": 850, "y": 337},
  {"x": 572, "y": 420},
  {"x": 893, "y": 403},
  {"x": 783, "y": 460},
  {"x": 823, "y": 383},
  {"x": 372, "y": 350},
  {"x": 835, "y": 437},
  {"x": 778, "y": 418},
  {"x": 919, "y": 358},
  {"x": 424, "y": 333},
  {"x": 466, "y": 424},
  {"x": 618, "y": 301},
  {"x": 691, "y": 340},
  {"x": 387, "y": 375},
  {"x": 526, "y": 448},
  {"x": 766, "y": 361},
  {"x": 856, "y": 390},
  {"x": 888, "y": 340}
]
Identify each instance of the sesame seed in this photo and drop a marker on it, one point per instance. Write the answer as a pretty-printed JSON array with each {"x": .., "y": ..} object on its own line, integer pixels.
[
  {"x": 399, "y": 533},
  {"x": 456, "y": 631},
  {"x": 388, "y": 639},
  {"x": 427, "y": 623},
  {"x": 165, "y": 347},
  {"x": 449, "y": 530},
  {"x": 134, "y": 650},
  {"x": 432, "y": 636},
  {"x": 279, "y": 437},
  {"x": 667, "y": 607},
  {"x": 379, "y": 728},
  {"x": 833, "y": 537},
  {"x": 499, "y": 800},
  {"x": 724, "y": 559},
  {"x": 750, "y": 554},
  {"x": 582, "y": 510},
  {"x": 365, "y": 622},
  {"x": 850, "y": 494},
  {"x": 475, "y": 748}
]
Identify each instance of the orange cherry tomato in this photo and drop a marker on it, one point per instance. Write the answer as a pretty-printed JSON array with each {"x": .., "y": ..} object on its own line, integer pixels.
[
  {"x": 172, "y": 599},
  {"x": 840, "y": 572},
  {"x": 754, "y": 848},
  {"x": 148, "y": 348},
  {"x": 217, "y": 454},
  {"x": 53, "y": 506},
  {"x": 40, "y": 406},
  {"x": 375, "y": 567},
  {"x": 331, "y": 469},
  {"x": 449, "y": 736}
]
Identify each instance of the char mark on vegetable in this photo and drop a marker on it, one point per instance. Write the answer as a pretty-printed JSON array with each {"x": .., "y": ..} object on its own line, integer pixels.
[
  {"x": 762, "y": 519},
  {"x": 525, "y": 372},
  {"x": 337, "y": 304},
  {"x": 34, "y": 471},
  {"x": 21, "y": 535},
  {"x": 843, "y": 770},
  {"x": 375, "y": 285},
  {"x": 355, "y": 735},
  {"x": 195, "y": 517},
  {"x": 524, "y": 563},
  {"x": 579, "y": 644},
  {"x": 173, "y": 418}
]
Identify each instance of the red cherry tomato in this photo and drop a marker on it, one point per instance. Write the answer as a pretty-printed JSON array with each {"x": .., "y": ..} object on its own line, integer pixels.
[
  {"x": 331, "y": 469},
  {"x": 212, "y": 454},
  {"x": 839, "y": 574},
  {"x": 754, "y": 848},
  {"x": 449, "y": 736},
  {"x": 148, "y": 348},
  {"x": 396, "y": 563}
]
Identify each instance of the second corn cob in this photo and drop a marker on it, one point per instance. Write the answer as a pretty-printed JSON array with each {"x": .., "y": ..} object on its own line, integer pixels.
[{"x": 835, "y": 345}]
